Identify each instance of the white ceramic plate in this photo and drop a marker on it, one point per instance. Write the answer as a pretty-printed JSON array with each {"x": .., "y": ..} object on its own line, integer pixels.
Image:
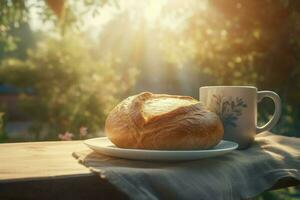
[{"x": 104, "y": 146}]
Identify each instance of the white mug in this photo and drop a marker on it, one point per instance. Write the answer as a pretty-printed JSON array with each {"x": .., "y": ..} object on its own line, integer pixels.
[{"x": 237, "y": 108}]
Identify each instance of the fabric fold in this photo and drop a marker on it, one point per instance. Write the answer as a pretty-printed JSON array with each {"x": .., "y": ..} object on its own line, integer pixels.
[{"x": 240, "y": 174}]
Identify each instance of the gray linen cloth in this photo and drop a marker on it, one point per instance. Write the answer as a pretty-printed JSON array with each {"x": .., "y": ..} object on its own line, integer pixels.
[{"x": 240, "y": 174}]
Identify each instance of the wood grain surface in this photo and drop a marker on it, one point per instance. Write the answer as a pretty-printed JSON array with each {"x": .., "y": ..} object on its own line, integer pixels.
[
  {"x": 40, "y": 159},
  {"x": 47, "y": 170}
]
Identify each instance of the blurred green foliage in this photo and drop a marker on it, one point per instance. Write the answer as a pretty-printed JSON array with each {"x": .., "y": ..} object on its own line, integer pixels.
[
  {"x": 71, "y": 86},
  {"x": 222, "y": 43},
  {"x": 210, "y": 43},
  {"x": 283, "y": 194},
  {"x": 2, "y": 127},
  {"x": 76, "y": 81},
  {"x": 213, "y": 43}
]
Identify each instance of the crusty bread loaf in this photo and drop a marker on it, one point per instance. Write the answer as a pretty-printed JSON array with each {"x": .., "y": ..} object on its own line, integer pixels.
[{"x": 160, "y": 121}]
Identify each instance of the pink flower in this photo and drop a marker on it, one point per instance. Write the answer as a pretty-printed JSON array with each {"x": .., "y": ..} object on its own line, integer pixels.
[
  {"x": 66, "y": 136},
  {"x": 83, "y": 131}
]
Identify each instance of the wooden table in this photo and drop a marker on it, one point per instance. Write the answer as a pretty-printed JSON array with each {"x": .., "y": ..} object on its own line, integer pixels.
[{"x": 47, "y": 170}]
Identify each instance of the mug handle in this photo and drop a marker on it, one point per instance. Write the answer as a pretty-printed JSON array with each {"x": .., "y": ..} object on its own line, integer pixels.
[{"x": 277, "y": 112}]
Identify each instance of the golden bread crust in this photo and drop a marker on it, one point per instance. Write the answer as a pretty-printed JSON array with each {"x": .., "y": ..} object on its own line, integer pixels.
[{"x": 190, "y": 126}]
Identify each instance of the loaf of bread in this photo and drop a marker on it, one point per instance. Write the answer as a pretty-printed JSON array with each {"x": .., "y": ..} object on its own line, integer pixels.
[{"x": 164, "y": 122}]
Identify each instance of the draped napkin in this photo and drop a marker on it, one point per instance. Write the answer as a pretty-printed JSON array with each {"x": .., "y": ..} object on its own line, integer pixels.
[{"x": 240, "y": 174}]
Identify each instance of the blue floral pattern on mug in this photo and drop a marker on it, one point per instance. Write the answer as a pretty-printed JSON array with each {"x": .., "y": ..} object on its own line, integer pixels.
[{"x": 228, "y": 108}]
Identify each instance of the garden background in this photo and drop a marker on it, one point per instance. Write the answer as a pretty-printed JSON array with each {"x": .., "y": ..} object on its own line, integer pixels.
[{"x": 65, "y": 64}]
